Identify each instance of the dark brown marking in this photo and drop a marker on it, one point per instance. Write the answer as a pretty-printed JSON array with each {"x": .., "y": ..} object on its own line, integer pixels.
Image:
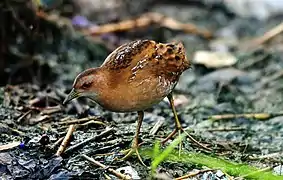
[
  {"x": 171, "y": 45},
  {"x": 170, "y": 51},
  {"x": 122, "y": 59}
]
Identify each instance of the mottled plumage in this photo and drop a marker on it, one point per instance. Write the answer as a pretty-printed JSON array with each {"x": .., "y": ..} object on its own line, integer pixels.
[{"x": 134, "y": 77}]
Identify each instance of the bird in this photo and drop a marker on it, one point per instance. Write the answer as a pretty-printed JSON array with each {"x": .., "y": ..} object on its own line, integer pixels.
[{"x": 133, "y": 78}]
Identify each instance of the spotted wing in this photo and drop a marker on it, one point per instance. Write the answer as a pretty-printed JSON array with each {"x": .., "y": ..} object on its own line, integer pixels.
[{"x": 128, "y": 55}]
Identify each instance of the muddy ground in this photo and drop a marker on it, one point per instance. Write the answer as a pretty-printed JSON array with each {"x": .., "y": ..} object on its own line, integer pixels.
[{"x": 31, "y": 110}]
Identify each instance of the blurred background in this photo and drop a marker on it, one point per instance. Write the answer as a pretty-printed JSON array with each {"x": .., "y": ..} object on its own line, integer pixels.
[{"x": 32, "y": 41}]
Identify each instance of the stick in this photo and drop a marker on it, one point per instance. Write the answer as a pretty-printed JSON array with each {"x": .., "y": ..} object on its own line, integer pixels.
[
  {"x": 116, "y": 173},
  {"x": 268, "y": 35},
  {"x": 82, "y": 120},
  {"x": 193, "y": 174},
  {"x": 252, "y": 173},
  {"x": 57, "y": 142},
  {"x": 66, "y": 140},
  {"x": 142, "y": 21},
  {"x": 258, "y": 116},
  {"x": 80, "y": 144},
  {"x": 9, "y": 146}
]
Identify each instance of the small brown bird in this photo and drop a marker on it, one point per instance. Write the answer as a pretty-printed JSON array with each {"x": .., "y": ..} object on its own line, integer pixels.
[{"x": 134, "y": 77}]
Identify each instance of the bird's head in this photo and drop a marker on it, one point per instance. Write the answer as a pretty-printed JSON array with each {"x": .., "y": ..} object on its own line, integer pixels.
[{"x": 84, "y": 85}]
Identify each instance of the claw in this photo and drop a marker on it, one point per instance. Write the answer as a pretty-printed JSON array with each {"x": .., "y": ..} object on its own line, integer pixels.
[
  {"x": 130, "y": 151},
  {"x": 135, "y": 144}
]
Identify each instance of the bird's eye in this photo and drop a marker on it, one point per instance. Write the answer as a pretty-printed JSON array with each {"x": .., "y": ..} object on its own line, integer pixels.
[{"x": 86, "y": 85}]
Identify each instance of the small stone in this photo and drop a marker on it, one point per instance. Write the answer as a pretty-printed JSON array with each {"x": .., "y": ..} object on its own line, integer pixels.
[
  {"x": 219, "y": 173},
  {"x": 130, "y": 171},
  {"x": 44, "y": 140},
  {"x": 214, "y": 59},
  {"x": 278, "y": 170},
  {"x": 207, "y": 175}
]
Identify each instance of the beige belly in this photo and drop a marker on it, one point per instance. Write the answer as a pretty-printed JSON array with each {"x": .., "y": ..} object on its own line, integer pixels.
[{"x": 137, "y": 97}]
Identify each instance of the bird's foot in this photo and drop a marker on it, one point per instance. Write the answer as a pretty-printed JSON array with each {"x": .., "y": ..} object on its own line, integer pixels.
[
  {"x": 179, "y": 131},
  {"x": 130, "y": 151}
]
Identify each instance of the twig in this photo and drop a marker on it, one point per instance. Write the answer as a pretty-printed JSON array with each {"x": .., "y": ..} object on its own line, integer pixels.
[
  {"x": 193, "y": 174},
  {"x": 259, "y": 116},
  {"x": 39, "y": 118},
  {"x": 146, "y": 20},
  {"x": 57, "y": 142},
  {"x": 226, "y": 129},
  {"x": 107, "y": 177},
  {"x": 66, "y": 140},
  {"x": 249, "y": 174},
  {"x": 51, "y": 110},
  {"x": 91, "y": 122},
  {"x": 268, "y": 35},
  {"x": 80, "y": 144},
  {"x": 9, "y": 130},
  {"x": 19, "y": 120},
  {"x": 142, "y": 21},
  {"x": 267, "y": 156},
  {"x": 157, "y": 126},
  {"x": 65, "y": 119},
  {"x": 104, "y": 149},
  {"x": 197, "y": 142},
  {"x": 116, "y": 173},
  {"x": 9, "y": 146},
  {"x": 82, "y": 120}
]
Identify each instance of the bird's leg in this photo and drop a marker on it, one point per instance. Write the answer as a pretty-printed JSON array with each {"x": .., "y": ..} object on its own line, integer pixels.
[
  {"x": 135, "y": 143},
  {"x": 178, "y": 127}
]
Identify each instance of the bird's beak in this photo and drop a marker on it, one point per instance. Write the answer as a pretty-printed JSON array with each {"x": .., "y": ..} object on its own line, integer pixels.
[{"x": 72, "y": 95}]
